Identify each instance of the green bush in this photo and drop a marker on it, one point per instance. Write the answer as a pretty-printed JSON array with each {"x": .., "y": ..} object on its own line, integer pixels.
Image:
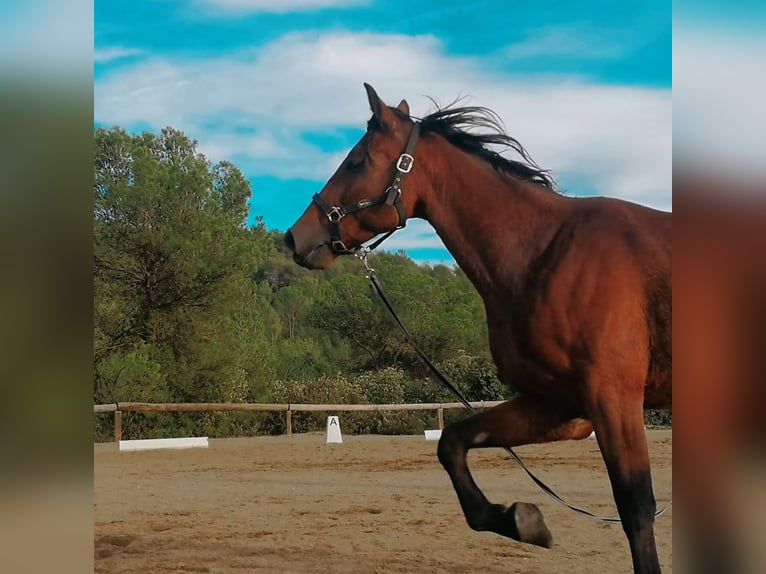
[
  {"x": 387, "y": 386},
  {"x": 476, "y": 377},
  {"x": 320, "y": 390},
  {"x": 658, "y": 418}
]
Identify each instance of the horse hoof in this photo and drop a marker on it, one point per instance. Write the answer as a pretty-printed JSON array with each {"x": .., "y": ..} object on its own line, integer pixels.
[{"x": 530, "y": 524}]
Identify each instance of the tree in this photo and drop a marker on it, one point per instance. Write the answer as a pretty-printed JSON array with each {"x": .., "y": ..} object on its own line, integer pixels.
[
  {"x": 176, "y": 313},
  {"x": 442, "y": 315}
]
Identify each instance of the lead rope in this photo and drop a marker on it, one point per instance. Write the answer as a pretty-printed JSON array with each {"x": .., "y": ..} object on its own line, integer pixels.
[{"x": 362, "y": 254}]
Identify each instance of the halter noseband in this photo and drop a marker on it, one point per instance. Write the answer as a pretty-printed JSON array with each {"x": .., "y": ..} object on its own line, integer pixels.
[{"x": 391, "y": 196}]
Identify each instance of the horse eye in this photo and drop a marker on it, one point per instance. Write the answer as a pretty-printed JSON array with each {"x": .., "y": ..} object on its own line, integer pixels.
[{"x": 355, "y": 165}]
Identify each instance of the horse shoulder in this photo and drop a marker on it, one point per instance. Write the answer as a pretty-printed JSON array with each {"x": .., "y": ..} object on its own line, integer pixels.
[{"x": 587, "y": 293}]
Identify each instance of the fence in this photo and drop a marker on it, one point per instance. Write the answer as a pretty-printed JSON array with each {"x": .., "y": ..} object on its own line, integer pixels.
[{"x": 288, "y": 409}]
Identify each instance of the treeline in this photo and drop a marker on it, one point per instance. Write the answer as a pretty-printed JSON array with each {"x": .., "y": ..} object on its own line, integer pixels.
[{"x": 193, "y": 305}]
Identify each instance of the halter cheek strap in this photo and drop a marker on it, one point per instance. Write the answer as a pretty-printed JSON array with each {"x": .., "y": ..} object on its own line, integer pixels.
[{"x": 391, "y": 196}]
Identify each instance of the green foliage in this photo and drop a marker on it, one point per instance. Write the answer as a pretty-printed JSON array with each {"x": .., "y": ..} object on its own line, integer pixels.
[
  {"x": 390, "y": 386},
  {"x": 322, "y": 390},
  {"x": 441, "y": 309},
  {"x": 476, "y": 376},
  {"x": 658, "y": 418},
  {"x": 176, "y": 311}
]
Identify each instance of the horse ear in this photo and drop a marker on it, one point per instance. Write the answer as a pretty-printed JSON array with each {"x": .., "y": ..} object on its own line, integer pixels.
[
  {"x": 380, "y": 110},
  {"x": 372, "y": 96},
  {"x": 404, "y": 107}
]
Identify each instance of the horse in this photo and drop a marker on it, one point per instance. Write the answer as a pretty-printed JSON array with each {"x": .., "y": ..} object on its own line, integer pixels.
[{"x": 577, "y": 294}]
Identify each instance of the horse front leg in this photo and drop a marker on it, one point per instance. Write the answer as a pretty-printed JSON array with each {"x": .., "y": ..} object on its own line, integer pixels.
[
  {"x": 619, "y": 423},
  {"x": 522, "y": 420}
]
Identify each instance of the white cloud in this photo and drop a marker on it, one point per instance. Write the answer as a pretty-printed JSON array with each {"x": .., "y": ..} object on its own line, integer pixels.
[
  {"x": 617, "y": 139},
  {"x": 103, "y": 55},
  {"x": 297, "y": 81},
  {"x": 275, "y": 6},
  {"x": 262, "y": 153}
]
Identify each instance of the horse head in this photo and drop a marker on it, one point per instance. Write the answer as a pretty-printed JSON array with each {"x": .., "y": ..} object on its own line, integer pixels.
[{"x": 363, "y": 197}]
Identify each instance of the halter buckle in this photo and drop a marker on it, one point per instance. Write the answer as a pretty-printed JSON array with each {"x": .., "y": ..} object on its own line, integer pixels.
[
  {"x": 392, "y": 193},
  {"x": 405, "y": 163},
  {"x": 335, "y": 214}
]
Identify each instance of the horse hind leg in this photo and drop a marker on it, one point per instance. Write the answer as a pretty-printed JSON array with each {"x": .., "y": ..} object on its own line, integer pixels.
[{"x": 522, "y": 420}]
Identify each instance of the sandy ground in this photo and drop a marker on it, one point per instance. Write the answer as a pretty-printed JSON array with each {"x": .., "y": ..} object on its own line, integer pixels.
[{"x": 372, "y": 504}]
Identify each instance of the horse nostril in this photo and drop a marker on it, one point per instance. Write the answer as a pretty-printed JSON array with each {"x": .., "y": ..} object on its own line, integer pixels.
[{"x": 290, "y": 241}]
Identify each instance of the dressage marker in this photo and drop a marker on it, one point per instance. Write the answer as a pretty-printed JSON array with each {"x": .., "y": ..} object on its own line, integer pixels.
[
  {"x": 433, "y": 434},
  {"x": 160, "y": 443},
  {"x": 333, "y": 430}
]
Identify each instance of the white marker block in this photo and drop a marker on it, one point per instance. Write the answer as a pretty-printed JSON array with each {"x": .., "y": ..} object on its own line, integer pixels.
[
  {"x": 333, "y": 430},
  {"x": 155, "y": 443},
  {"x": 433, "y": 434},
  {"x": 592, "y": 435}
]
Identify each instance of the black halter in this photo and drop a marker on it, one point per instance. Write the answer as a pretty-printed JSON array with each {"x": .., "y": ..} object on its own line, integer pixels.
[{"x": 391, "y": 196}]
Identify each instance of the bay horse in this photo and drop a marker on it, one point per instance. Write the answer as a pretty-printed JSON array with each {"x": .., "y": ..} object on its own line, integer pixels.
[{"x": 577, "y": 294}]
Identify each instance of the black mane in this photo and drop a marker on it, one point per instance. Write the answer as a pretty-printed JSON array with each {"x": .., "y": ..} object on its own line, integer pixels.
[{"x": 455, "y": 124}]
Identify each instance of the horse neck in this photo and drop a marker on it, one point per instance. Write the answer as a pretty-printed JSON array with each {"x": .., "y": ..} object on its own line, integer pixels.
[{"x": 494, "y": 225}]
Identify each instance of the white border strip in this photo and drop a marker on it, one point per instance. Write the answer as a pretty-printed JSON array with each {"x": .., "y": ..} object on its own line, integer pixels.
[{"x": 155, "y": 443}]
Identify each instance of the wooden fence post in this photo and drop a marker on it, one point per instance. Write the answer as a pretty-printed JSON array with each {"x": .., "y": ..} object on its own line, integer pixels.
[
  {"x": 440, "y": 417},
  {"x": 117, "y": 426},
  {"x": 289, "y": 416}
]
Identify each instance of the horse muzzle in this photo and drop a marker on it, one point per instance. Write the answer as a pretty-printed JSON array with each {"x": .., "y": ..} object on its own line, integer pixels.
[{"x": 317, "y": 256}]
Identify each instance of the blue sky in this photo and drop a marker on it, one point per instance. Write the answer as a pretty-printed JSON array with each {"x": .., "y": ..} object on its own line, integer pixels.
[{"x": 276, "y": 85}]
